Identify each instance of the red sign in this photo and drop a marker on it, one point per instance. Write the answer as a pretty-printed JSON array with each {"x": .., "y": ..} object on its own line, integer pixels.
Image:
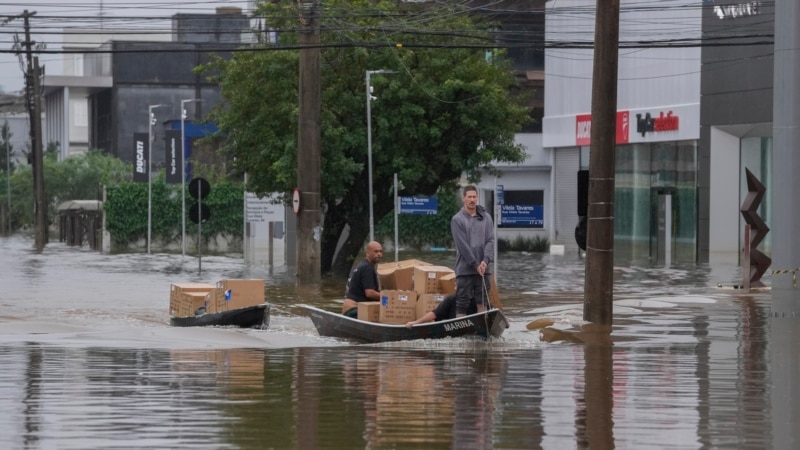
[{"x": 583, "y": 128}]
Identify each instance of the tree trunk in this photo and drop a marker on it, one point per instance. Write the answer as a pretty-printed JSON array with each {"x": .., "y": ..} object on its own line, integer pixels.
[
  {"x": 332, "y": 226},
  {"x": 351, "y": 251}
]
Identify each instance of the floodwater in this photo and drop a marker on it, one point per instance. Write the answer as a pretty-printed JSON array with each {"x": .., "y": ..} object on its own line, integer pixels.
[{"x": 88, "y": 361}]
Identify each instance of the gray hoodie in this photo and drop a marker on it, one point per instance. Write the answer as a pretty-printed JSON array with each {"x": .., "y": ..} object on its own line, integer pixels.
[{"x": 474, "y": 239}]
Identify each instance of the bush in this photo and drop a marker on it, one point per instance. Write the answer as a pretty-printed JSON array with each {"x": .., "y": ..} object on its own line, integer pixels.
[{"x": 536, "y": 244}]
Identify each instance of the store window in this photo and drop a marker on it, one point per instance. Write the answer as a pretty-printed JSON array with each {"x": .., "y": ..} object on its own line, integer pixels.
[
  {"x": 646, "y": 174},
  {"x": 756, "y": 155}
]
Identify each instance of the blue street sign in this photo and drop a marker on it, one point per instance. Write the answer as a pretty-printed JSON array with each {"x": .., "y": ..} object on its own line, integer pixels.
[
  {"x": 419, "y": 205},
  {"x": 500, "y": 194},
  {"x": 527, "y": 216}
]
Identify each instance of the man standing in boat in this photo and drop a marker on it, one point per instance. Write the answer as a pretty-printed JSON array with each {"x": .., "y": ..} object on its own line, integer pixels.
[
  {"x": 473, "y": 234},
  {"x": 362, "y": 286}
]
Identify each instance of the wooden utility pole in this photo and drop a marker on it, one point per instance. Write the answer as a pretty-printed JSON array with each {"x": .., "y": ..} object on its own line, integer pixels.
[
  {"x": 33, "y": 90},
  {"x": 309, "y": 220},
  {"x": 598, "y": 291}
]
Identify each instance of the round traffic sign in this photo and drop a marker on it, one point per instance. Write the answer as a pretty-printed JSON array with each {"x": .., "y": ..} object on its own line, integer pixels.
[
  {"x": 199, "y": 188},
  {"x": 296, "y": 201},
  {"x": 199, "y": 213}
]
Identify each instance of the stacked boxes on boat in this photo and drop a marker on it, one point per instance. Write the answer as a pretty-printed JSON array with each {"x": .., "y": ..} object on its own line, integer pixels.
[
  {"x": 186, "y": 298},
  {"x": 190, "y": 299},
  {"x": 409, "y": 289}
]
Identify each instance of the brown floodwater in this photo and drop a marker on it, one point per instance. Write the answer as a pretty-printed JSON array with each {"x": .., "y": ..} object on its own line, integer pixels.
[{"x": 88, "y": 361}]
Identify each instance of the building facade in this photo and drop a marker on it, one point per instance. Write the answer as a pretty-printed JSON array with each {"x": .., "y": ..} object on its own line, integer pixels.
[
  {"x": 735, "y": 122},
  {"x": 658, "y": 127}
]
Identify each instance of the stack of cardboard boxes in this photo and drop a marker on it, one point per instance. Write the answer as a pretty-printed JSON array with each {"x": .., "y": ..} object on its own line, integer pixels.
[
  {"x": 409, "y": 289},
  {"x": 187, "y": 299}
]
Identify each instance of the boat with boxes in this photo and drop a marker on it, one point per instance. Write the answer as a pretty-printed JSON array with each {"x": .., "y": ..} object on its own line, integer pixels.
[
  {"x": 409, "y": 289},
  {"x": 228, "y": 302}
]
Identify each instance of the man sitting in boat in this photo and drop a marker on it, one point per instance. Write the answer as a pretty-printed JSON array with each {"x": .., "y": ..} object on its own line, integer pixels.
[
  {"x": 445, "y": 311},
  {"x": 362, "y": 286}
]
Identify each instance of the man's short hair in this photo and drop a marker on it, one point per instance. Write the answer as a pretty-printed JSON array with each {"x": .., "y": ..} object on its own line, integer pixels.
[{"x": 468, "y": 188}]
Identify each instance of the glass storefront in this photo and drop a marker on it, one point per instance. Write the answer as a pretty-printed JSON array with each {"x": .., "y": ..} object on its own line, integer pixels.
[
  {"x": 756, "y": 155},
  {"x": 655, "y": 202}
]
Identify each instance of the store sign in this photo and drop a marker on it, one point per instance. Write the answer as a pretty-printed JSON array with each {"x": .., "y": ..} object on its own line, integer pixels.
[
  {"x": 736, "y": 11},
  {"x": 141, "y": 166},
  {"x": 663, "y": 122},
  {"x": 172, "y": 156},
  {"x": 583, "y": 128}
]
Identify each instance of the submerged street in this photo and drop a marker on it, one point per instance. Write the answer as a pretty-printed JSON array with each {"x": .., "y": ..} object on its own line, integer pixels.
[{"x": 89, "y": 361}]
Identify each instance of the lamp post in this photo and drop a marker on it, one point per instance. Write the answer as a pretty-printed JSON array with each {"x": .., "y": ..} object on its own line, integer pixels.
[
  {"x": 151, "y": 120},
  {"x": 8, "y": 186},
  {"x": 369, "y": 148},
  {"x": 183, "y": 173}
]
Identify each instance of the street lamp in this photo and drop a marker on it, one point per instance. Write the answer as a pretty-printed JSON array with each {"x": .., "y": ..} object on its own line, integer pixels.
[
  {"x": 369, "y": 148},
  {"x": 151, "y": 120},
  {"x": 183, "y": 173}
]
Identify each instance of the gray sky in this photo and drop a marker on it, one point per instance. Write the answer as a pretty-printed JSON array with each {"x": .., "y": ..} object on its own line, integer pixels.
[{"x": 52, "y": 16}]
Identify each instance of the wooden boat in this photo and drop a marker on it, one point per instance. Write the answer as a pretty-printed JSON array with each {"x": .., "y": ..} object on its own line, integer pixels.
[
  {"x": 330, "y": 324},
  {"x": 248, "y": 317}
]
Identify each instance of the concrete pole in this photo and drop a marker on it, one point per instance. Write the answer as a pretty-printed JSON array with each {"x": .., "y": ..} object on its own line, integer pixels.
[
  {"x": 599, "y": 286},
  {"x": 786, "y": 159},
  {"x": 369, "y": 158},
  {"x": 785, "y": 321},
  {"x": 369, "y": 148},
  {"x": 183, "y": 172}
]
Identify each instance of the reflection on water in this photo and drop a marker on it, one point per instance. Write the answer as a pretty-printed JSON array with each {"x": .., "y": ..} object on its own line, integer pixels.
[{"x": 87, "y": 360}]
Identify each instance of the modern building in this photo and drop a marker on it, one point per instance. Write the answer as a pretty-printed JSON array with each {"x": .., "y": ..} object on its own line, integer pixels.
[
  {"x": 15, "y": 114},
  {"x": 107, "y": 94},
  {"x": 658, "y": 126},
  {"x": 520, "y": 199},
  {"x": 114, "y": 79},
  {"x": 735, "y": 122}
]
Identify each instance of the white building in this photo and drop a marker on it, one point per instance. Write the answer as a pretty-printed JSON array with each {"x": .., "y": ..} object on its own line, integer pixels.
[{"x": 658, "y": 126}]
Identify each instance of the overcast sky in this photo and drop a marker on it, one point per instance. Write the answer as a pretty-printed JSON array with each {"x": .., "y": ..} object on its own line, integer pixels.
[{"x": 52, "y": 16}]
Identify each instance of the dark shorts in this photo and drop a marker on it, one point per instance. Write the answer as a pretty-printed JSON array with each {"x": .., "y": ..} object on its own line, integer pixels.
[
  {"x": 472, "y": 289},
  {"x": 352, "y": 313}
]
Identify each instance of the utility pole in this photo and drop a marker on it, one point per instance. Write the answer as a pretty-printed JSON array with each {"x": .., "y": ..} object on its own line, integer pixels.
[
  {"x": 33, "y": 90},
  {"x": 309, "y": 220},
  {"x": 598, "y": 293}
]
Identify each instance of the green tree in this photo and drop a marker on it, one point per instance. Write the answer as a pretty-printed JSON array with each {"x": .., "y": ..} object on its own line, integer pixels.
[
  {"x": 78, "y": 177},
  {"x": 6, "y": 149},
  {"x": 448, "y": 111}
]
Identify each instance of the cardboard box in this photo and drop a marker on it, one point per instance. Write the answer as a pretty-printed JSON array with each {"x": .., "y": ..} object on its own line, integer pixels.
[
  {"x": 447, "y": 283},
  {"x": 369, "y": 311},
  {"x": 398, "y": 275},
  {"x": 215, "y": 301},
  {"x": 428, "y": 302},
  {"x": 177, "y": 302},
  {"x": 426, "y": 278},
  {"x": 191, "y": 302},
  {"x": 398, "y": 306},
  {"x": 239, "y": 293}
]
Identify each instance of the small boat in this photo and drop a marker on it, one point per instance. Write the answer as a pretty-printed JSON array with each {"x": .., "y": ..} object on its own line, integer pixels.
[
  {"x": 248, "y": 317},
  {"x": 490, "y": 323}
]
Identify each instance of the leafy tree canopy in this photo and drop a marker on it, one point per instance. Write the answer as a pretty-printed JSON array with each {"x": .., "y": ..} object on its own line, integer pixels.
[{"x": 448, "y": 111}]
